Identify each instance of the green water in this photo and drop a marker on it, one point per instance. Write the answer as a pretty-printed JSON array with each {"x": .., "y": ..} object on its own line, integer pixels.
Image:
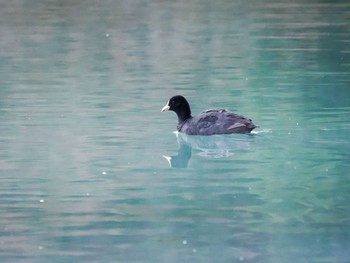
[{"x": 82, "y": 173}]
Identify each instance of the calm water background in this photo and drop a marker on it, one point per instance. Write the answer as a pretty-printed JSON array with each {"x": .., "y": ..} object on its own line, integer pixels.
[{"x": 82, "y": 177}]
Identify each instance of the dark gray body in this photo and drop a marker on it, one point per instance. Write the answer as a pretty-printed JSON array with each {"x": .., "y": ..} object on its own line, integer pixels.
[{"x": 216, "y": 121}]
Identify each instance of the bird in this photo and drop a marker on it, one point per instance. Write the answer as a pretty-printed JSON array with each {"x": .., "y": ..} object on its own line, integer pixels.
[{"x": 208, "y": 122}]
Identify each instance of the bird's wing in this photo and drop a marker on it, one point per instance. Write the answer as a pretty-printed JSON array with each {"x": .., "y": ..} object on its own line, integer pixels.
[{"x": 222, "y": 121}]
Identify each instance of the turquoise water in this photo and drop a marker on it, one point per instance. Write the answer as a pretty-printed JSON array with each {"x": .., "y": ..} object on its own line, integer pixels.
[{"x": 82, "y": 173}]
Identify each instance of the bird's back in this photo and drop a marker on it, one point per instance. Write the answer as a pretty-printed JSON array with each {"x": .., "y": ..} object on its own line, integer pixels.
[{"x": 217, "y": 121}]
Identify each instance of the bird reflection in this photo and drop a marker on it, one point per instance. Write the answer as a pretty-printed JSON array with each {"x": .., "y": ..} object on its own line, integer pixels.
[
  {"x": 182, "y": 158},
  {"x": 217, "y": 146}
]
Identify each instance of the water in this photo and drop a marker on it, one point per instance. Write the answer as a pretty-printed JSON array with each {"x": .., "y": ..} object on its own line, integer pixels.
[{"x": 83, "y": 178}]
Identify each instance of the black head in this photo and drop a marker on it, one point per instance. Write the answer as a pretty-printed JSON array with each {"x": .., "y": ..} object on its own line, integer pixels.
[{"x": 180, "y": 106}]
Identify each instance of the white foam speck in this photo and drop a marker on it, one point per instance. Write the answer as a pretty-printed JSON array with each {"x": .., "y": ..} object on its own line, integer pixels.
[
  {"x": 184, "y": 242},
  {"x": 41, "y": 200},
  {"x": 103, "y": 173},
  {"x": 261, "y": 131}
]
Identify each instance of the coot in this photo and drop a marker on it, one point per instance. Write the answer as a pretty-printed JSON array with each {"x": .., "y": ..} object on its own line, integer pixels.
[{"x": 209, "y": 122}]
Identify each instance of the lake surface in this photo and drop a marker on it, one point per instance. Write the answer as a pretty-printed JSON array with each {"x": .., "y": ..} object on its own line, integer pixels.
[{"x": 82, "y": 172}]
